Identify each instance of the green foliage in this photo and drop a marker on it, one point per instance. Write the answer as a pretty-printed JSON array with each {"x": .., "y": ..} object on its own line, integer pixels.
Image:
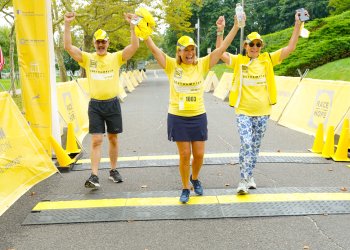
[
  {"x": 329, "y": 41},
  {"x": 338, "y": 6},
  {"x": 69, "y": 62},
  {"x": 5, "y": 46}
]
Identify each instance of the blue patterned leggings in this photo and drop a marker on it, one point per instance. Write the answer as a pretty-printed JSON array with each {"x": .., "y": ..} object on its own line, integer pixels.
[{"x": 251, "y": 130}]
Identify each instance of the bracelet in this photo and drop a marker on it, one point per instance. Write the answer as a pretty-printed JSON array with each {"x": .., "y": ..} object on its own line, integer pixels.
[{"x": 219, "y": 33}]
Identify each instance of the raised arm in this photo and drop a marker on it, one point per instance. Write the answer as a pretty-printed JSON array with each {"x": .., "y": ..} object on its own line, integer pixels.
[
  {"x": 220, "y": 28},
  {"x": 156, "y": 52},
  {"x": 294, "y": 38},
  {"x": 73, "y": 51},
  {"x": 217, "y": 53},
  {"x": 131, "y": 49}
]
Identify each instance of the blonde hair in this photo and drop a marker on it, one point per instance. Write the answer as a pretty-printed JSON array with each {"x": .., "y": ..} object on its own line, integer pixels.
[{"x": 179, "y": 61}]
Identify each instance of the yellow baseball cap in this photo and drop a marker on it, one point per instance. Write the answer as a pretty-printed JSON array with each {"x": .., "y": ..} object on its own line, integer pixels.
[
  {"x": 185, "y": 41},
  {"x": 254, "y": 36},
  {"x": 101, "y": 35}
]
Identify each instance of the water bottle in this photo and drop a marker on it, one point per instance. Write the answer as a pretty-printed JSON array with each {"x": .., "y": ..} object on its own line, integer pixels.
[{"x": 240, "y": 15}]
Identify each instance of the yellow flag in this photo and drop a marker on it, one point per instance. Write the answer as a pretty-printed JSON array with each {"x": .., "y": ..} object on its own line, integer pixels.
[{"x": 36, "y": 62}]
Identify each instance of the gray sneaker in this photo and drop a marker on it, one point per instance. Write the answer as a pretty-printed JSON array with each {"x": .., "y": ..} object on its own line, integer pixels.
[
  {"x": 92, "y": 182},
  {"x": 115, "y": 176},
  {"x": 251, "y": 183},
  {"x": 242, "y": 187}
]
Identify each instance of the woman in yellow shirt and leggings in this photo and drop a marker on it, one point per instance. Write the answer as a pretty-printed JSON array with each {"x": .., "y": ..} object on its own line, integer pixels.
[
  {"x": 252, "y": 94},
  {"x": 187, "y": 120}
]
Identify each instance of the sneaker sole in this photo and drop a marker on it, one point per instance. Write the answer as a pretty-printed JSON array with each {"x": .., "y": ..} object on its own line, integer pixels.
[
  {"x": 240, "y": 192},
  {"x": 198, "y": 193},
  {"x": 111, "y": 178},
  {"x": 92, "y": 185},
  {"x": 184, "y": 202}
]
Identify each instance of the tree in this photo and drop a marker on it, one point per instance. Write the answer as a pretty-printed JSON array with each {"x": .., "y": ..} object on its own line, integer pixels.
[
  {"x": 58, "y": 44},
  {"x": 107, "y": 15},
  {"x": 9, "y": 17},
  {"x": 178, "y": 15}
]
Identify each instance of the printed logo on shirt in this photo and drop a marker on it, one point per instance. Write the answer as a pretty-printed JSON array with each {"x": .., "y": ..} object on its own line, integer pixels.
[
  {"x": 178, "y": 73},
  {"x": 93, "y": 64}
]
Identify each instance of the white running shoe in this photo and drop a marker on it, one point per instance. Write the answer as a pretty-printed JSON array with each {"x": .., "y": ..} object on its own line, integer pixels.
[
  {"x": 251, "y": 183},
  {"x": 242, "y": 187}
]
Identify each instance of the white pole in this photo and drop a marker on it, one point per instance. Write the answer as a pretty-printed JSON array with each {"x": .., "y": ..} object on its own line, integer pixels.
[
  {"x": 55, "y": 124},
  {"x": 198, "y": 42}
]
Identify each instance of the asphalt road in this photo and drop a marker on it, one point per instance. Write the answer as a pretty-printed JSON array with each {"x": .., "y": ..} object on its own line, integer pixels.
[{"x": 144, "y": 117}]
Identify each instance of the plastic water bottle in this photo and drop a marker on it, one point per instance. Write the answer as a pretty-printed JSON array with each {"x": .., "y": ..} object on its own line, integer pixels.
[{"x": 240, "y": 15}]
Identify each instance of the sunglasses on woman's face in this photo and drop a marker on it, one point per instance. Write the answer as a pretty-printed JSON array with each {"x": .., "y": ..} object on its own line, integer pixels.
[
  {"x": 251, "y": 44},
  {"x": 101, "y": 41}
]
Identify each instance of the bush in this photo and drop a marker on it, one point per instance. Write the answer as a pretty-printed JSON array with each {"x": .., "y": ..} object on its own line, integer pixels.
[{"x": 329, "y": 41}]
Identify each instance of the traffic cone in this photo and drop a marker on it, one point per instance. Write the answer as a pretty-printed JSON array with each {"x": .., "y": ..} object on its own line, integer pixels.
[
  {"x": 71, "y": 144},
  {"x": 346, "y": 125},
  {"x": 318, "y": 142},
  {"x": 62, "y": 157},
  {"x": 341, "y": 154},
  {"x": 328, "y": 148}
]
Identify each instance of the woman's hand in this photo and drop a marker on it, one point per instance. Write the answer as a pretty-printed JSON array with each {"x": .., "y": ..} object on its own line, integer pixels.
[
  {"x": 129, "y": 17},
  {"x": 220, "y": 24}
]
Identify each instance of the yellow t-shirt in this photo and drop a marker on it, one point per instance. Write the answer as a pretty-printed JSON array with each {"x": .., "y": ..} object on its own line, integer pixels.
[
  {"x": 186, "y": 86},
  {"x": 103, "y": 74},
  {"x": 254, "y": 96}
]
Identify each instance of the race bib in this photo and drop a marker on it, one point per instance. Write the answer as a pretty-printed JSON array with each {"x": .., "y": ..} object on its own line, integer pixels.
[{"x": 188, "y": 101}]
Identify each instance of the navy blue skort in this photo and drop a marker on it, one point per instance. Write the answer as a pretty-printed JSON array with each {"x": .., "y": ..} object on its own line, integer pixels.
[{"x": 181, "y": 128}]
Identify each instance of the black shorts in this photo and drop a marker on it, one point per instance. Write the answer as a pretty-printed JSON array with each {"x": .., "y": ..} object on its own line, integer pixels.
[
  {"x": 104, "y": 113},
  {"x": 182, "y": 128}
]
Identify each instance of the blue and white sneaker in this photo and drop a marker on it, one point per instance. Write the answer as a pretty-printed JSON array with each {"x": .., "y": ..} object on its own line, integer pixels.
[
  {"x": 185, "y": 195},
  {"x": 197, "y": 186}
]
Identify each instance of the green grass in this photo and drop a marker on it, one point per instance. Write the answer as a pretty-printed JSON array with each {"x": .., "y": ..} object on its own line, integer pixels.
[
  {"x": 219, "y": 69},
  {"x": 337, "y": 70},
  {"x": 5, "y": 83}
]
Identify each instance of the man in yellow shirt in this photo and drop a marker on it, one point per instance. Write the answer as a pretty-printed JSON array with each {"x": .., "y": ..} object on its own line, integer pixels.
[
  {"x": 252, "y": 94},
  {"x": 102, "y": 70}
]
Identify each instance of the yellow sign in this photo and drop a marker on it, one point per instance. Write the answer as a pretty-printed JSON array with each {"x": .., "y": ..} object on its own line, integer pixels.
[
  {"x": 23, "y": 160},
  {"x": 315, "y": 102},
  {"x": 285, "y": 89},
  {"x": 73, "y": 107},
  {"x": 33, "y": 46},
  {"x": 224, "y": 86}
]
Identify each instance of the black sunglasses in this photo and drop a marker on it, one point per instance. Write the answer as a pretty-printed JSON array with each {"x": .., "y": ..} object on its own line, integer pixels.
[
  {"x": 101, "y": 41},
  {"x": 251, "y": 44}
]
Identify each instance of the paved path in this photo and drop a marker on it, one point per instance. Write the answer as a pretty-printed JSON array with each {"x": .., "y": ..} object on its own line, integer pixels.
[{"x": 144, "y": 115}]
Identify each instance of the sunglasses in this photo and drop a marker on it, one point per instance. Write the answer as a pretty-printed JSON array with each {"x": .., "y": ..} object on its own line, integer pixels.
[
  {"x": 251, "y": 44},
  {"x": 101, "y": 41}
]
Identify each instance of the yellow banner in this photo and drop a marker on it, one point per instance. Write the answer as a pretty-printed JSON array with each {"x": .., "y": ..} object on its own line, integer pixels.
[
  {"x": 315, "y": 102},
  {"x": 23, "y": 160},
  {"x": 73, "y": 107},
  {"x": 34, "y": 62},
  {"x": 285, "y": 89}
]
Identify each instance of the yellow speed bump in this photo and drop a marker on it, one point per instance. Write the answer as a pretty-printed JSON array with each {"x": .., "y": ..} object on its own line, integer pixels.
[{"x": 194, "y": 200}]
